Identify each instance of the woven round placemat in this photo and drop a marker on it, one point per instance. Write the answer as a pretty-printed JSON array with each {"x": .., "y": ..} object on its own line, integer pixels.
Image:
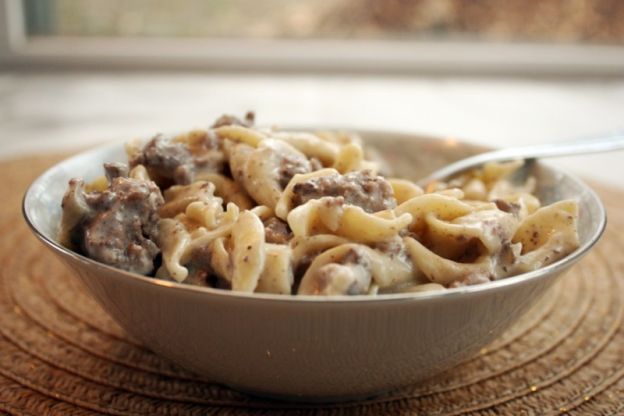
[{"x": 61, "y": 354}]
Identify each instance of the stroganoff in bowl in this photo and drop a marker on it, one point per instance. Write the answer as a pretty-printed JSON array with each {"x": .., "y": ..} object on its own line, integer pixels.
[
  {"x": 272, "y": 211},
  {"x": 311, "y": 347}
]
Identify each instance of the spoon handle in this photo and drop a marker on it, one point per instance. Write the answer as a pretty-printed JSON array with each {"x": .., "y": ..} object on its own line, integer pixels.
[{"x": 604, "y": 143}]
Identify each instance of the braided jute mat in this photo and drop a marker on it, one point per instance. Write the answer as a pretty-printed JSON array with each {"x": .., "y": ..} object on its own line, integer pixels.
[{"x": 61, "y": 354}]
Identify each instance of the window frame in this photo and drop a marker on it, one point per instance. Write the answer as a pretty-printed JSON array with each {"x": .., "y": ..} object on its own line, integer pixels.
[
  {"x": 386, "y": 57},
  {"x": 12, "y": 30}
]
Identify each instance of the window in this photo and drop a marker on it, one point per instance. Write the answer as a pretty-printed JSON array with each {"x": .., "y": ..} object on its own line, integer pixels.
[{"x": 555, "y": 37}]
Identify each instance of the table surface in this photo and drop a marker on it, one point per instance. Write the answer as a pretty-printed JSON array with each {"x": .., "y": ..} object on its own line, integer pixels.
[
  {"x": 61, "y": 354},
  {"x": 43, "y": 111},
  {"x": 56, "y": 347}
]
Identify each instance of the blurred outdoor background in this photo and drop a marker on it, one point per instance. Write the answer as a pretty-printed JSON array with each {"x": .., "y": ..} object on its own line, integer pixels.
[
  {"x": 75, "y": 73},
  {"x": 586, "y": 21}
]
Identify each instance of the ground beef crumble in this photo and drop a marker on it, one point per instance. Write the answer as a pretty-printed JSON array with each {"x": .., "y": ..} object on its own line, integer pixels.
[
  {"x": 362, "y": 188},
  {"x": 119, "y": 225},
  {"x": 277, "y": 231}
]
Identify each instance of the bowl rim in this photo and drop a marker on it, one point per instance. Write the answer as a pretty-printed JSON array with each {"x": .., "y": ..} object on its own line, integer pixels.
[{"x": 558, "y": 266}]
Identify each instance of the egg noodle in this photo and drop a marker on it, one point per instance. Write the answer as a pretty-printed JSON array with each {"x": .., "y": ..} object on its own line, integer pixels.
[{"x": 263, "y": 210}]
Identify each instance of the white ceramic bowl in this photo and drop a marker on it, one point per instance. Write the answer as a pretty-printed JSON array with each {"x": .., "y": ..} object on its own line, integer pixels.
[{"x": 311, "y": 348}]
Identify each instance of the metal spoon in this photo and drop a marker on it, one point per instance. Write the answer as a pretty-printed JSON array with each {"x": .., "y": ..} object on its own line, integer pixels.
[{"x": 604, "y": 143}]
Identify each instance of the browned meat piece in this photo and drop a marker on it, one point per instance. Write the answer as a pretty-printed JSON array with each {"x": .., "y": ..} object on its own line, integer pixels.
[
  {"x": 176, "y": 162},
  {"x": 228, "y": 120},
  {"x": 119, "y": 234},
  {"x": 76, "y": 209},
  {"x": 276, "y": 231},
  {"x": 208, "y": 155},
  {"x": 115, "y": 170},
  {"x": 117, "y": 226},
  {"x": 361, "y": 188},
  {"x": 289, "y": 166},
  {"x": 201, "y": 273},
  {"x": 166, "y": 159}
]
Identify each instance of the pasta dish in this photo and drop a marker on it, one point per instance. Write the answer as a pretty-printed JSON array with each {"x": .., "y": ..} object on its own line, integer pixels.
[{"x": 248, "y": 209}]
